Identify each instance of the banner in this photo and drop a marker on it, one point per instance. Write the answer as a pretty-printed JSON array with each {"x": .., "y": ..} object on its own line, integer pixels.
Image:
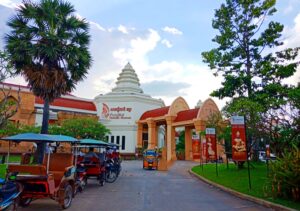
[
  {"x": 238, "y": 138},
  {"x": 196, "y": 146},
  {"x": 268, "y": 153},
  {"x": 211, "y": 144}
]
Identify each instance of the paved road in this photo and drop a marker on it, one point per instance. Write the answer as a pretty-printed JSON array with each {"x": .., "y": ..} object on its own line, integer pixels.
[{"x": 140, "y": 190}]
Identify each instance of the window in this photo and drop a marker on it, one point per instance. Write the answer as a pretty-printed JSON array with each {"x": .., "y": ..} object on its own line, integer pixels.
[
  {"x": 123, "y": 142},
  {"x": 112, "y": 139},
  {"x": 118, "y": 140},
  {"x": 145, "y": 136}
]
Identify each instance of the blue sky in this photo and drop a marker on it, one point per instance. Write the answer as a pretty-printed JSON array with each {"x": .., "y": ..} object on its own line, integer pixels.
[{"x": 163, "y": 40}]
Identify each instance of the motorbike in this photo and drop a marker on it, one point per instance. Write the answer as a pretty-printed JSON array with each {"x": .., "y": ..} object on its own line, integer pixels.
[
  {"x": 113, "y": 169},
  {"x": 81, "y": 178},
  {"x": 10, "y": 191}
]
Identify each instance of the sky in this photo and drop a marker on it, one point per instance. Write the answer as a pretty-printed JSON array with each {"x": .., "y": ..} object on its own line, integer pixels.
[{"x": 163, "y": 41}]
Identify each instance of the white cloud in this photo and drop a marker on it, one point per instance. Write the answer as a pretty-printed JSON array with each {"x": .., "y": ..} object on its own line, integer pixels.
[
  {"x": 8, "y": 3},
  {"x": 172, "y": 30},
  {"x": 292, "y": 40},
  {"x": 97, "y": 25},
  {"x": 290, "y": 5},
  {"x": 138, "y": 49},
  {"x": 167, "y": 43},
  {"x": 123, "y": 29}
]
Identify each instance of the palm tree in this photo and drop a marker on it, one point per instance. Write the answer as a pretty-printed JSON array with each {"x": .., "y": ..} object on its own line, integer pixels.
[{"x": 48, "y": 45}]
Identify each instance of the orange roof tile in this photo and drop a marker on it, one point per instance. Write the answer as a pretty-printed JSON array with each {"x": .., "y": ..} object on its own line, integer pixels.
[{"x": 155, "y": 113}]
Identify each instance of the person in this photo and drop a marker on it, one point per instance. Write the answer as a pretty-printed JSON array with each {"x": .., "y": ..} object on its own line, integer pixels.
[{"x": 91, "y": 153}]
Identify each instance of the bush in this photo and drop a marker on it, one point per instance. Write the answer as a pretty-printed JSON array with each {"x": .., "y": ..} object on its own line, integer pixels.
[{"x": 285, "y": 175}]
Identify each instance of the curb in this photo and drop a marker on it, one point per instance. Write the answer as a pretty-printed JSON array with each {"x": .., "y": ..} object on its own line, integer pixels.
[{"x": 242, "y": 195}]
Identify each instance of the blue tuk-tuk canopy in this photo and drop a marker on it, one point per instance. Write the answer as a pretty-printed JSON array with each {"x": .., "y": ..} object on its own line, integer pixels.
[
  {"x": 93, "y": 142},
  {"x": 35, "y": 137}
]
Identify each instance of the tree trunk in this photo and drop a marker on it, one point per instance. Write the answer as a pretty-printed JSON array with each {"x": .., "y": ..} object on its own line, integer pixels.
[{"x": 44, "y": 130}]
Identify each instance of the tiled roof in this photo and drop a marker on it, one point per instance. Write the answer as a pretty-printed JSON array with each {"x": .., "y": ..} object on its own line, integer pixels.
[
  {"x": 186, "y": 115},
  {"x": 70, "y": 103},
  {"x": 155, "y": 113}
]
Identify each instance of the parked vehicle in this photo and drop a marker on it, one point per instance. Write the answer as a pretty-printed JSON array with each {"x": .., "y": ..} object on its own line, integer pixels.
[
  {"x": 113, "y": 163},
  {"x": 93, "y": 162},
  {"x": 10, "y": 191},
  {"x": 81, "y": 178},
  {"x": 150, "y": 159},
  {"x": 262, "y": 156},
  {"x": 54, "y": 179}
]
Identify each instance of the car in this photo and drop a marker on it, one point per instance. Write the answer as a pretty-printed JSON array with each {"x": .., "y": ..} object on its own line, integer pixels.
[
  {"x": 150, "y": 159},
  {"x": 262, "y": 156}
]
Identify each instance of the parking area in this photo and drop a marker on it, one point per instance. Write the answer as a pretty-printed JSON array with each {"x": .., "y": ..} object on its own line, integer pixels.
[{"x": 138, "y": 189}]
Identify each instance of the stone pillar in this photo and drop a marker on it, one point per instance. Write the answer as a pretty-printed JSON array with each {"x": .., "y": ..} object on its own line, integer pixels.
[
  {"x": 188, "y": 143},
  {"x": 200, "y": 126},
  {"x": 170, "y": 137},
  {"x": 139, "y": 139},
  {"x": 152, "y": 134}
]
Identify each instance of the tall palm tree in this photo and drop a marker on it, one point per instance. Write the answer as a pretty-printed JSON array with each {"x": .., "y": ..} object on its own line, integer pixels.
[{"x": 48, "y": 45}]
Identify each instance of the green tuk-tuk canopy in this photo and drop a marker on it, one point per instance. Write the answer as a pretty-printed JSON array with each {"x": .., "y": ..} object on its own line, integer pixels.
[
  {"x": 35, "y": 137},
  {"x": 93, "y": 142}
]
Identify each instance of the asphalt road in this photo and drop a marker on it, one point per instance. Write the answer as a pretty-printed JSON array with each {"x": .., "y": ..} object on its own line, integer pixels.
[{"x": 143, "y": 190}]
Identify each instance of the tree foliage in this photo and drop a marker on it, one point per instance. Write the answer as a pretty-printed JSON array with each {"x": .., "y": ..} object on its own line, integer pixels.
[
  {"x": 253, "y": 70},
  {"x": 8, "y": 105},
  {"x": 77, "y": 128},
  {"x": 48, "y": 45},
  {"x": 81, "y": 128}
]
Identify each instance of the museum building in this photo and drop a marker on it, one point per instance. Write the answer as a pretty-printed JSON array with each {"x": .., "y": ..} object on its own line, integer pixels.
[{"x": 119, "y": 109}]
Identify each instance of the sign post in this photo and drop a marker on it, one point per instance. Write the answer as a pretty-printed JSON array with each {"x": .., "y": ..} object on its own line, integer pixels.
[
  {"x": 211, "y": 149},
  {"x": 268, "y": 155},
  {"x": 239, "y": 142}
]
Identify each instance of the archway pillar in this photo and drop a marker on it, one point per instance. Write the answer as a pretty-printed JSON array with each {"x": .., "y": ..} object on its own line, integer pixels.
[
  {"x": 152, "y": 134},
  {"x": 171, "y": 145},
  {"x": 188, "y": 143},
  {"x": 139, "y": 135},
  {"x": 200, "y": 126}
]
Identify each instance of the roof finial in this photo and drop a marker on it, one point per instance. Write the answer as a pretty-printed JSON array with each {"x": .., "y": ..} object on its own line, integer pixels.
[{"x": 128, "y": 66}]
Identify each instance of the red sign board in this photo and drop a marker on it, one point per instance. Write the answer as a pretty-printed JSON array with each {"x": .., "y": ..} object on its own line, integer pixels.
[
  {"x": 239, "y": 150},
  {"x": 211, "y": 144}
]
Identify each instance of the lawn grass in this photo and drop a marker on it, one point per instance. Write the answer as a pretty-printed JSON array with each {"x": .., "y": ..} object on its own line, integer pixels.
[
  {"x": 12, "y": 159},
  {"x": 237, "y": 179},
  {"x": 2, "y": 170}
]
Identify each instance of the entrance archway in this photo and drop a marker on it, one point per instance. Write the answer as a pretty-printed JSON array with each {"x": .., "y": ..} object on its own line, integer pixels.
[{"x": 177, "y": 115}]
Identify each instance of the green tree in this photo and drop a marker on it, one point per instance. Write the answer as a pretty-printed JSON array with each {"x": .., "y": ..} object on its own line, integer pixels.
[
  {"x": 81, "y": 128},
  {"x": 8, "y": 105},
  {"x": 48, "y": 45},
  {"x": 245, "y": 55}
]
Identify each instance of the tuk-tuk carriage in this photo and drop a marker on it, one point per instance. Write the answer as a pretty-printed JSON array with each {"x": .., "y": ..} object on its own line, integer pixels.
[
  {"x": 54, "y": 179},
  {"x": 93, "y": 162},
  {"x": 150, "y": 159}
]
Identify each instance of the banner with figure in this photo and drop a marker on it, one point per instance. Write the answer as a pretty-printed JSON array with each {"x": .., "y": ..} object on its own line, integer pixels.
[
  {"x": 211, "y": 145},
  {"x": 238, "y": 138}
]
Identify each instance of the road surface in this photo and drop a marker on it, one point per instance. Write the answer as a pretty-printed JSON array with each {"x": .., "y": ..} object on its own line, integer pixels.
[{"x": 143, "y": 190}]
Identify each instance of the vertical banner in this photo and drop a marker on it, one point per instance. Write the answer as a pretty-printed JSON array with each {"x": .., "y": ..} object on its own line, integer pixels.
[
  {"x": 203, "y": 152},
  {"x": 238, "y": 138},
  {"x": 211, "y": 145},
  {"x": 268, "y": 153},
  {"x": 196, "y": 146}
]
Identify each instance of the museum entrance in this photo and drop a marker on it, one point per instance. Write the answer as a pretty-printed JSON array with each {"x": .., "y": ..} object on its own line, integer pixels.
[{"x": 157, "y": 129}]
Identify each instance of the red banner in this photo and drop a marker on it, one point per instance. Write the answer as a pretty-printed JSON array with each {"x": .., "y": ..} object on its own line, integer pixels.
[
  {"x": 239, "y": 150},
  {"x": 211, "y": 152}
]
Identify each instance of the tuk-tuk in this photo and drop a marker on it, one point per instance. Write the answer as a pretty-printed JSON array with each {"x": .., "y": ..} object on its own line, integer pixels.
[
  {"x": 93, "y": 162},
  {"x": 150, "y": 159},
  {"x": 54, "y": 179}
]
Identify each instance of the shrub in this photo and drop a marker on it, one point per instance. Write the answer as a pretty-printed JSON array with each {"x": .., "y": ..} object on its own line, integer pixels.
[{"x": 285, "y": 175}]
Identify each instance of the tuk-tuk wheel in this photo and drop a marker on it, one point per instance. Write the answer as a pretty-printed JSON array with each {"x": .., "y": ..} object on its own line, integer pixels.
[
  {"x": 25, "y": 202},
  {"x": 68, "y": 196}
]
